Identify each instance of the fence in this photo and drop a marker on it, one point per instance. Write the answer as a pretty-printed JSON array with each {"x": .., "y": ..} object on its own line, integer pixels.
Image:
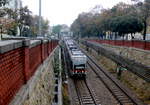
[
  {"x": 128, "y": 43},
  {"x": 135, "y": 67},
  {"x": 18, "y": 62}
]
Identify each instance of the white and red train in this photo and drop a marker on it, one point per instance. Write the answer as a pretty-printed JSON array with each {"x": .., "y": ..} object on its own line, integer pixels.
[{"x": 77, "y": 59}]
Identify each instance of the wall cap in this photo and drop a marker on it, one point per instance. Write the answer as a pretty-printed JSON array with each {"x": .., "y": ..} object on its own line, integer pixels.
[
  {"x": 44, "y": 41},
  {"x": 9, "y": 45},
  {"x": 34, "y": 43}
]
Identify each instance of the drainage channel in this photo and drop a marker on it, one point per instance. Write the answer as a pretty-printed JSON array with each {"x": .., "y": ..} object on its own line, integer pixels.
[{"x": 57, "y": 100}]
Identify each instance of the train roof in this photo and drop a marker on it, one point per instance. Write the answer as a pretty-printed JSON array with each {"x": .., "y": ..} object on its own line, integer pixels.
[{"x": 77, "y": 52}]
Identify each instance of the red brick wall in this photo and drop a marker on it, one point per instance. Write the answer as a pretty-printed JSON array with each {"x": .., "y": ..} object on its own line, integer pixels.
[
  {"x": 147, "y": 46},
  {"x": 50, "y": 47},
  {"x": 128, "y": 43},
  {"x": 11, "y": 74},
  {"x": 17, "y": 67},
  {"x": 34, "y": 59},
  {"x": 138, "y": 44},
  {"x": 45, "y": 50},
  {"x": 134, "y": 43}
]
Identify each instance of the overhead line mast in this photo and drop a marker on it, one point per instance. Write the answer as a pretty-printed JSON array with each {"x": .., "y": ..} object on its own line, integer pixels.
[{"x": 40, "y": 18}]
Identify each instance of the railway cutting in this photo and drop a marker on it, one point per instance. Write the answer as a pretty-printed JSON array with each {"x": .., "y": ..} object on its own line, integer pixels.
[{"x": 78, "y": 63}]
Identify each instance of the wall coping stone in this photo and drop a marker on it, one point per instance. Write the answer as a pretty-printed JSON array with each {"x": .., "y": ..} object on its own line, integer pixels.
[
  {"x": 26, "y": 43},
  {"x": 121, "y": 40},
  {"x": 45, "y": 41},
  {"x": 9, "y": 45},
  {"x": 34, "y": 43}
]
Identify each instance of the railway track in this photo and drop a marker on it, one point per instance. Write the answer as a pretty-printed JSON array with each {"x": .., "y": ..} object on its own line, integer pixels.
[
  {"x": 123, "y": 96},
  {"x": 85, "y": 95}
]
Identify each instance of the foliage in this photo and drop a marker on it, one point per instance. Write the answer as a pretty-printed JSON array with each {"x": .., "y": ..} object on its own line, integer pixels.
[
  {"x": 12, "y": 29},
  {"x": 35, "y": 25},
  {"x": 121, "y": 19},
  {"x": 23, "y": 20},
  {"x": 4, "y": 2},
  {"x": 85, "y": 25},
  {"x": 126, "y": 24},
  {"x": 56, "y": 29},
  {"x": 2, "y": 12}
]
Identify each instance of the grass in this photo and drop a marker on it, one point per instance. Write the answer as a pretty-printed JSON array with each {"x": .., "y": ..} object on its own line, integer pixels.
[{"x": 65, "y": 93}]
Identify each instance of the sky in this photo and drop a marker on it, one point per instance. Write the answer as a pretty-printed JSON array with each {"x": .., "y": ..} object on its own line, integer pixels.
[{"x": 66, "y": 11}]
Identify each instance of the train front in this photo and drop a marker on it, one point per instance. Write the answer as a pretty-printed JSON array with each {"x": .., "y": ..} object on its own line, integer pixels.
[{"x": 79, "y": 61}]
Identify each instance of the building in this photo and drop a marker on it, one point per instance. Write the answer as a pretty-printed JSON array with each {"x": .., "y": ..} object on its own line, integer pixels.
[{"x": 65, "y": 31}]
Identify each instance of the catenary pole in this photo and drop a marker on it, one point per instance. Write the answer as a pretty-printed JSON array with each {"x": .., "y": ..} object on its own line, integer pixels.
[{"x": 40, "y": 18}]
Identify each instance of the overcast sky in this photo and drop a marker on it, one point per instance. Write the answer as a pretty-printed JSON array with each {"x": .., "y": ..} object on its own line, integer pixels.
[{"x": 66, "y": 11}]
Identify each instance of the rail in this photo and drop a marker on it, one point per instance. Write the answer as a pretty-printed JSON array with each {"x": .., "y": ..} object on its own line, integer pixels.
[
  {"x": 122, "y": 95},
  {"x": 87, "y": 97}
]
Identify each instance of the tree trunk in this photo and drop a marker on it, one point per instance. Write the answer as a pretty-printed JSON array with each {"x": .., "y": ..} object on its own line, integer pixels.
[
  {"x": 97, "y": 34},
  {"x": 145, "y": 29},
  {"x": 105, "y": 34},
  {"x": 115, "y": 35},
  {"x": 127, "y": 37},
  {"x": 132, "y": 36},
  {"x": 123, "y": 36},
  {"x": 111, "y": 35},
  {"x": 20, "y": 31}
]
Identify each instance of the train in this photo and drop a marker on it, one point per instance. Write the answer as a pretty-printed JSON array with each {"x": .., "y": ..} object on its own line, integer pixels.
[{"x": 76, "y": 58}]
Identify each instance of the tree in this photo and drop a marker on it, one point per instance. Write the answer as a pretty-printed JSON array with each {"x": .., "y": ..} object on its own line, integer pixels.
[
  {"x": 34, "y": 26},
  {"x": 85, "y": 25},
  {"x": 75, "y": 28},
  {"x": 10, "y": 13},
  {"x": 143, "y": 12},
  {"x": 2, "y": 12},
  {"x": 126, "y": 24},
  {"x": 45, "y": 27},
  {"x": 8, "y": 23},
  {"x": 56, "y": 29},
  {"x": 23, "y": 18},
  {"x": 120, "y": 20},
  {"x": 4, "y": 2},
  {"x": 12, "y": 29},
  {"x": 145, "y": 15}
]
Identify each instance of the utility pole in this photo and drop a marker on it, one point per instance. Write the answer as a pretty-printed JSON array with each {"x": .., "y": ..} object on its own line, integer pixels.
[{"x": 40, "y": 18}]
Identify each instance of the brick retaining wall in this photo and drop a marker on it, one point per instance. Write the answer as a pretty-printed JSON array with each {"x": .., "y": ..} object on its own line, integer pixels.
[
  {"x": 128, "y": 43},
  {"x": 19, "y": 60}
]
